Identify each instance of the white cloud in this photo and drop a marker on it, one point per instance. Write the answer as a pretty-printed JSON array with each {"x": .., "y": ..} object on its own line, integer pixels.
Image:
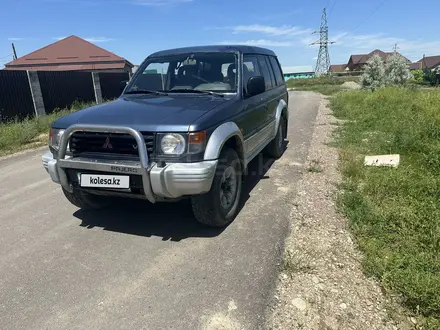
[
  {"x": 90, "y": 39},
  {"x": 158, "y": 3},
  {"x": 285, "y": 30},
  {"x": 15, "y": 39},
  {"x": 365, "y": 43},
  {"x": 260, "y": 42},
  {"x": 98, "y": 39}
]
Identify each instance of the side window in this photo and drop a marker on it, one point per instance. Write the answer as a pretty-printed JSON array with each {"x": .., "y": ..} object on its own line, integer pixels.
[
  {"x": 272, "y": 74},
  {"x": 266, "y": 73},
  {"x": 277, "y": 70},
  {"x": 250, "y": 69}
]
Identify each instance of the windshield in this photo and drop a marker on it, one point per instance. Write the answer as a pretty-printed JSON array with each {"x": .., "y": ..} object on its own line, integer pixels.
[{"x": 215, "y": 72}]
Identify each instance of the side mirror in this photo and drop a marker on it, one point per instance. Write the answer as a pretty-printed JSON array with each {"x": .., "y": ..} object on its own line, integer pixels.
[
  {"x": 256, "y": 85},
  {"x": 122, "y": 85}
]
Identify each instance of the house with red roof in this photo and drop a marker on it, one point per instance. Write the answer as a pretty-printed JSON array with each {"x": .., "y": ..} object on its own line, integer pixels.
[
  {"x": 427, "y": 62},
  {"x": 356, "y": 62},
  {"x": 71, "y": 54}
]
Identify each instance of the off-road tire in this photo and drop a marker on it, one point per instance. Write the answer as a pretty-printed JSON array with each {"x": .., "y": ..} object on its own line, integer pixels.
[
  {"x": 207, "y": 207},
  {"x": 275, "y": 148},
  {"x": 85, "y": 201}
]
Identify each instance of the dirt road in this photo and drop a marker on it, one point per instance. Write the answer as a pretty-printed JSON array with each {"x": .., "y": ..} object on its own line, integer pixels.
[{"x": 141, "y": 266}]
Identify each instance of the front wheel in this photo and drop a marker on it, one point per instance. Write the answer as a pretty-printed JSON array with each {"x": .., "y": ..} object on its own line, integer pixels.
[
  {"x": 85, "y": 201},
  {"x": 219, "y": 206}
]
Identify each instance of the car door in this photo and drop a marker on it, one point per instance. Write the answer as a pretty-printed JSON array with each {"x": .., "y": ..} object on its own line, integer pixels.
[
  {"x": 271, "y": 93},
  {"x": 280, "y": 83},
  {"x": 253, "y": 112}
]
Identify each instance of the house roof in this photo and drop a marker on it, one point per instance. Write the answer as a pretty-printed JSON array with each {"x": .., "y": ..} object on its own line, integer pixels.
[
  {"x": 71, "y": 67},
  {"x": 363, "y": 58},
  {"x": 69, "y": 52},
  {"x": 337, "y": 67},
  {"x": 429, "y": 61}
]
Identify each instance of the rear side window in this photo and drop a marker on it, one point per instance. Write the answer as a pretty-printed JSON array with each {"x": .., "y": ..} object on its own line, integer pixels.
[
  {"x": 250, "y": 69},
  {"x": 266, "y": 72},
  {"x": 272, "y": 74},
  {"x": 277, "y": 71}
]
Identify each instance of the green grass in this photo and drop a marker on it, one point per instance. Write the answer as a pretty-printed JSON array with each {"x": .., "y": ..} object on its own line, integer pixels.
[
  {"x": 33, "y": 132},
  {"x": 323, "y": 89},
  {"x": 315, "y": 166},
  {"x": 395, "y": 212},
  {"x": 324, "y": 80},
  {"x": 295, "y": 262},
  {"x": 324, "y": 85}
]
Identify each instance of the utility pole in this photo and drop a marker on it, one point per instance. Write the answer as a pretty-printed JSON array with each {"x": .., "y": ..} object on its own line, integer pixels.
[
  {"x": 323, "y": 62},
  {"x": 14, "y": 53},
  {"x": 395, "y": 48}
]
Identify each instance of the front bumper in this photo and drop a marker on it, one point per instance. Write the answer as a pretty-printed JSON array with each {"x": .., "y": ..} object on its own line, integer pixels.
[{"x": 171, "y": 181}]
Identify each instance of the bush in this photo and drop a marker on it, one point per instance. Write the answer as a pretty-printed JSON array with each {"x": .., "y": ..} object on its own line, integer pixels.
[
  {"x": 374, "y": 73},
  {"x": 417, "y": 76},
  {"x": 396, "y": 70},
  {"x": 429, "y": 77}
]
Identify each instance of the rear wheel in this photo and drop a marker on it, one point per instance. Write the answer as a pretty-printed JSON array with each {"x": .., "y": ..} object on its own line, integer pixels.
[
  {"x": 85, "y": 201},
  {"x": 276, "y": 147},
  {"x": 219, "y": 206}
]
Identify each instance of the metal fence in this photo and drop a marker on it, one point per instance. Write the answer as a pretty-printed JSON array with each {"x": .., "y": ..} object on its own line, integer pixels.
[
  {"x": 110, "y": 84},
  {"x": 61, "y": 88},
  {"x": 15, "y": 96}
]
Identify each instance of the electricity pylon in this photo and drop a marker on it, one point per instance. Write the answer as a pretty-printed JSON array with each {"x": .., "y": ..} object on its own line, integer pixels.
[{"x": 323, "y": 61}]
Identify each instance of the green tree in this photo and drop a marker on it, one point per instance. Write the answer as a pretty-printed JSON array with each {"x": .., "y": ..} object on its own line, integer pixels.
[
  {"x": 396, "y": 70},
  {"x": 429, "y": 77},
  {"x": 374, "y": 73},
  {"x": 417, "y": 76}
]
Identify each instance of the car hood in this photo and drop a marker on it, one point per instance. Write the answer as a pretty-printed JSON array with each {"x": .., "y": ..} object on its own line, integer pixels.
[{"x": 146, "y": 112}]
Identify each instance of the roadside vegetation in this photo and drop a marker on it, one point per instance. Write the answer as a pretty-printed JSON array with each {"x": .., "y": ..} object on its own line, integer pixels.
[
  {"x": 19, "y": 135},
  {"x": 395, "y": 212},
  {"x": 326, "y": 85}
]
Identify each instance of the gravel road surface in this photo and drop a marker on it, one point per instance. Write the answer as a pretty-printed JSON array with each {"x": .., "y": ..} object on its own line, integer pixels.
[{"x": 143, "y": 266}]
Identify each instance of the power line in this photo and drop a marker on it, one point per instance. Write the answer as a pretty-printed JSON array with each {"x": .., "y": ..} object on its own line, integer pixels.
[
  {"x": 6, "y": 56},
  {"x": 371, "y": 14},
  {"x": 331, "y": 9}
]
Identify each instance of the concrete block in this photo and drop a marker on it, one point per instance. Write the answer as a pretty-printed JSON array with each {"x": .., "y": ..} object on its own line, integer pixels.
[
  {"x": 97, "y": 87},
  {"x": 37, "y": 96}
]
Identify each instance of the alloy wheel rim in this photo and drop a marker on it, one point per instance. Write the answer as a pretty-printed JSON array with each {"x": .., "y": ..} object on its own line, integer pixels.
[{"x": 228, "y": 188}]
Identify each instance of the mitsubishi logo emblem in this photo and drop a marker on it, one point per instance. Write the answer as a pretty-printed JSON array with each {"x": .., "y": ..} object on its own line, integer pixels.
[{"x": 107, "y": 144}]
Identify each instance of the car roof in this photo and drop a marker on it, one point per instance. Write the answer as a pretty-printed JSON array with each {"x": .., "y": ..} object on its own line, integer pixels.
[{"x": 215, "y": 48}]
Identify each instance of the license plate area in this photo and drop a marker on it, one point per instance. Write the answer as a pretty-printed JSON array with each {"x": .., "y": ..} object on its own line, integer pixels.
[{"x": 104, "y": 181}]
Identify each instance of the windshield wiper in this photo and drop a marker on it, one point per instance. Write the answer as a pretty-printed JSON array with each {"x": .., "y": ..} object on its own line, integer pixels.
[
  {"x": 146, "y": 91},
  {"x": 186, "y": 90}
]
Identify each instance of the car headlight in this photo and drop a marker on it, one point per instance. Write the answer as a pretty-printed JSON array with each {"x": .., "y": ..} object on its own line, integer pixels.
[
  {"x": 55, "y": 136},
  {"x": 173, "y": 144}
]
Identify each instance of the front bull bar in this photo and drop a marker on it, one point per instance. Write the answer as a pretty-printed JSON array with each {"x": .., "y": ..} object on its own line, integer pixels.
[{"x": 141, "y": 167}]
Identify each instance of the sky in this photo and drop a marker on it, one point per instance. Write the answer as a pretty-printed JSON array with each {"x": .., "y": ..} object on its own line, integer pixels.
[{"x": 134, "y": 29}]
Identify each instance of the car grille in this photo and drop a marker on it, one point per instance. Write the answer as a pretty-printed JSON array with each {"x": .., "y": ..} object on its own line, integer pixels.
[{"x": 109, "y": 143}]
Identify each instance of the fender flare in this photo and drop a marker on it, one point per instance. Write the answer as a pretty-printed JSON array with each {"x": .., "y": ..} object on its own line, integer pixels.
[
  {"x": 218, "y": 139},
  {"x": 282, "y": 105}
]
